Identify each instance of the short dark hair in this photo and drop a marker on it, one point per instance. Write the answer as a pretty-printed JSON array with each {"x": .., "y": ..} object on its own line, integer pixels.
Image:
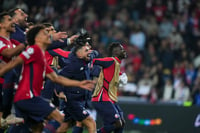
[
  {"x": 47, "y": 25},
  {"x": 12, "y": 11},
  {"x": 112, "y": 47},
  {"x": 32, "y": 33},
  {"x": 2, "y": 14}
]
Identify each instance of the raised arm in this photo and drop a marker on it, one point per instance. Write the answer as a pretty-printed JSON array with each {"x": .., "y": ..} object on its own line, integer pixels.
[
  {"x": 6, "y": 67},
  {"x": 85, "y": 84},
  {"x": 10, "y": 52},
  {"x": 103, "y": 62}
]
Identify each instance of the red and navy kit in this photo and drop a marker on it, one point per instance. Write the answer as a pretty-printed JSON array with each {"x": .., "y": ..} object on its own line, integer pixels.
[
  {"x": 55, "y": 52},
  {"x": 108, "y": 110},
  {"x": 33, "y": 72},
  {"x": 7, "y": 43},
  {"x": 108, "y": 65},
  {"x": 5, "y": 99}
]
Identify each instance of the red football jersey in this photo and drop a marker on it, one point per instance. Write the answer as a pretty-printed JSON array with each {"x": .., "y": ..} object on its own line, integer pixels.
[
  {"x": 108, "y": 65},
  {"x": 7, "y": 43},
  {"x": 33, "y": 72}
]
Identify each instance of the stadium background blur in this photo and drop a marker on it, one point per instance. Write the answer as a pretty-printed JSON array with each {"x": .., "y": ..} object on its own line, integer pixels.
[{"x": 162, "y": 38}]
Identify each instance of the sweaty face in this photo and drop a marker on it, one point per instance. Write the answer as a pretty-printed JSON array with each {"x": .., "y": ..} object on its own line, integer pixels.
[
  {"x": 8, "y": 24},
  {"x": 44, "y": 37},
  {"x": 84, "y": 53},
  {"x": 120, "y": 52},
  {"x": 21, "y": 17}
]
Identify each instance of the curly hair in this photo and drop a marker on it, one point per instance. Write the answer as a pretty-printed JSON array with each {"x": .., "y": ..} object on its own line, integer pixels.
[{"x": 32, "y": 33}]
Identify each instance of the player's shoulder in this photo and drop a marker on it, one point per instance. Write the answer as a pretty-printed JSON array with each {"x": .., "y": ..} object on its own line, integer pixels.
[
  {"x": 33, "y": 49},
  {"x": 108, "y": 59},
  {"x": 4, "y": 41},
  {"x": 14, "y": 41}
]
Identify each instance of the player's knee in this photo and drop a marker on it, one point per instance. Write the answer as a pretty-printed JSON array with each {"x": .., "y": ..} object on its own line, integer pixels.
[
  {"x": 56, "y": 116},
  {"x": 118, "y": 124},
  {"x": 89, "y": 123},
  {"x": 63, "y": 128}
]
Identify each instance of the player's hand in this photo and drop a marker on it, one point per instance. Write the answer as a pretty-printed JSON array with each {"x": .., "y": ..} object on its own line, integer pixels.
[
  {"x": 60, "y": 95},
  {"x": 87, "y": 84},
  {"x": 73, "y": 38},
  {"x": 123, "y": 78},
  {"x": 58, "y": 36}
]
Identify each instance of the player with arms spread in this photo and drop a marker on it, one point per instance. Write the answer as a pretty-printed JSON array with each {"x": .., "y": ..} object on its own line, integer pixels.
[
  {"x": 105, "y": 94},
  {"x": 27, "y": 100}
]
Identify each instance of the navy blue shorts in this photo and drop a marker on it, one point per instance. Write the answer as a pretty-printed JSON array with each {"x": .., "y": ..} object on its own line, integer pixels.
[
  {"x": 75, "y": 110},
  {"x": 108, "y": 111},
  {"x": 10, "y": 78},
  {"x": 33, "y": 110}
]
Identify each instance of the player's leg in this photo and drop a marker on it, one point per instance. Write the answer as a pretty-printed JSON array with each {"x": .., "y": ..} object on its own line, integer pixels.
[
  {"x": 90, "y": 124},
  {"x": 78, "y": 112},
  {"x": 56, "y": 115},
  {"x": 8, "y": 90},
  {"x": 78, "y": 128},
  {"x": 34, "y": 114},
  {"x": 121, "y": 128},
  {"x": 68, "y": 122},
  {"x": 63, "y": 127},
  {"x": 110, "y": 116}
]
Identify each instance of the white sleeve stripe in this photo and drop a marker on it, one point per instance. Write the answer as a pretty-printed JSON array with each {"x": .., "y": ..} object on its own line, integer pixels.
[
  {"x": 2, "y": 44},
  {"x": 26, "y": 54}
]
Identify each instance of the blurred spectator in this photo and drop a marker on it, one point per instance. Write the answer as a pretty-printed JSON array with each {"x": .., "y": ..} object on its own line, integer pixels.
[
  {"x": 196, "y": 92},
  {"x": 144, "y": 86},
  {"x": 159, "y": 10},
  {"x": 175, "y": 39},
  {"x": 165, "y": 28},
  {"x": 8, "y": 4},
  {"x": 182, "y": 92},
  {"x": 190, "y": 73},
  {"x": 138, "y": 38},
  {"x": 131, "y": 87},
  {"x": 168, "y": 90},
  {"x": 22, "y": 5},
  {"x": 166, "y": 55}
]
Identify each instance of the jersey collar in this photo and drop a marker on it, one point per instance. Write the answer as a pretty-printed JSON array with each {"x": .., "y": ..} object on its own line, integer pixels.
[{"x": 118, "y": 60}]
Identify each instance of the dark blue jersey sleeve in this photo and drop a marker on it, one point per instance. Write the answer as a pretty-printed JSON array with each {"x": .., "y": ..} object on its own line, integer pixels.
[
  {"x": 103, "y": 63},
  {"x": 58, "y": 44},
  {"x": 95, "y": 71}
]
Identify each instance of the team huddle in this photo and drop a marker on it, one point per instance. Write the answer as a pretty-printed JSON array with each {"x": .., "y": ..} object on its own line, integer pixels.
[{"x": 45, "y": 89}]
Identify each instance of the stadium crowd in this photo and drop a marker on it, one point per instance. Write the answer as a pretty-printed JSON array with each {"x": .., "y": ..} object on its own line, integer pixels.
[{"x": 162, "y": 39}]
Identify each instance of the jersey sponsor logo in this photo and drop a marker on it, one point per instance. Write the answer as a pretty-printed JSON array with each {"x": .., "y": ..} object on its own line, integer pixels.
[
  {"x": 30, "y": 51},
  {"x": 85, "y": 112},
  {"x": 81, "y": 68},
  {"x": 116, "y": 115},
  {"x": 2, "y": 44}
]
